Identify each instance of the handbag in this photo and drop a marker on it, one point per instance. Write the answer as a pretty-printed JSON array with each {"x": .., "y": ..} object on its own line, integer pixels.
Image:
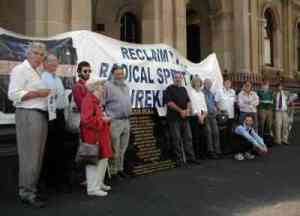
[
  {"x": 72, "y": 117},
  {"x": 87, "y": 154}
]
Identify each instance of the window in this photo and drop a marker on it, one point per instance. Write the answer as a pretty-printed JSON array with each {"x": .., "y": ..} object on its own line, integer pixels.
[
  {"x": 269, "y": 38},
  {"x": 129, "y": 28}
]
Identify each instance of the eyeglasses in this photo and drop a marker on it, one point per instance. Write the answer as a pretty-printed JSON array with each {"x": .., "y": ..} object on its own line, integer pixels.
[{"x": 87, "y": 71}]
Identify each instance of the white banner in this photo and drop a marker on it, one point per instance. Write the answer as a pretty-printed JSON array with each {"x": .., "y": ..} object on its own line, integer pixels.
[{"x": 149, "y": 67}]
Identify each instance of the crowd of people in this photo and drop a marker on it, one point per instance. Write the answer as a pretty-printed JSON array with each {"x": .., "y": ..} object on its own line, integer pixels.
[{"x": 195, "y": 116}]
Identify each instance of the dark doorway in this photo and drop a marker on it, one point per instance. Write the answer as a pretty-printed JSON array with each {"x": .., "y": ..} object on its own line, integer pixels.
[
  {"x": 193, "y": 43},
  {"x": 130, "y": 31}
]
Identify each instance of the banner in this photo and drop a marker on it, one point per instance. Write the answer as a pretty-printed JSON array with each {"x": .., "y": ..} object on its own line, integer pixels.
[{"x": 149, "y": 68}]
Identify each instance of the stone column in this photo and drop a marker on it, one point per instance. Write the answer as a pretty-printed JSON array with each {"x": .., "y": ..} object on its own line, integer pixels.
[
  {"x": 58, "y": 16},
  {"x": 254, "y": 23},
  {"x": 81, "y": 15},
  {"x": 36, "y": 18},
  {"x": 167, "y": 22},
  {"x": 151, "y": 18},
  {"x": 288, "y": 38},
  {"x": 241, "y": 36},
  {"x": 180, "y": 26}
]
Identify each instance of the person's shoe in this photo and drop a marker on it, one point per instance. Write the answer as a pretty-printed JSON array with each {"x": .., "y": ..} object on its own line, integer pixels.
[
  {"x": 194, "y": 161},
  {"x": 106, "y": 187},
  {"x": 116, "y": 178},
  {"x": 249, "y": 156},
  {"x": 35, "y": 202},
  {"x": 239, "y": 157},
  {"x": 285, "y": 143},
  {"x": 97, "y": 193},
  {"x": 123, "y": 175}
]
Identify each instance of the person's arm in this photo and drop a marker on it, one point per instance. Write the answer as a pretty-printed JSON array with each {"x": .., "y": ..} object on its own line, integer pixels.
[
  {"x": 241, "y": 102},
  {"x": 255, "y": 101},
  {"x": 239, "y": 130},
  {"x": 17, "y": 91},
  {"x": 88, "y": 116},
  {"x": 78, "y": 94}
]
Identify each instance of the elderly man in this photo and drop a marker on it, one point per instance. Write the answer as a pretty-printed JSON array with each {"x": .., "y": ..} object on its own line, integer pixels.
[
  {"x": 117, "y": 106},
  {"x": 212, "y": 129},
  {"x": 55, "y": 166},
  {"x": 29, "y": 95},
  {"x": 178, "y": 109}
]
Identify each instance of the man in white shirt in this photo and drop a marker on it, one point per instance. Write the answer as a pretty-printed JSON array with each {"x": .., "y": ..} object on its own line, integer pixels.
[
  {"x": 226, "y": 99},
  {"x": 29, "y": 95},
  {"x": 197, "y": 120},
  {"x": 248, "y": 101},
  {"x": 281, "y": 99},
  {"x": 55, "y": 170}
]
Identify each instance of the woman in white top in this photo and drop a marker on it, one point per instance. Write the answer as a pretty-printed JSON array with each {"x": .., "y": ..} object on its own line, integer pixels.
[{"x": 199, "y": 113}]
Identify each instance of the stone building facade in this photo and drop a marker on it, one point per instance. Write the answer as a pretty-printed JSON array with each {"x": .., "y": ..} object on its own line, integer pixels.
[{"x": 252, "y": 38}]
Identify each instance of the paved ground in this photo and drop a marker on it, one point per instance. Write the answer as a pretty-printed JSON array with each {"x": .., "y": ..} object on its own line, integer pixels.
[{"x": 267, "y": 186}]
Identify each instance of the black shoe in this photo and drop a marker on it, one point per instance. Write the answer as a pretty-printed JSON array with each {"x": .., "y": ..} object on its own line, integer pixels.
[
  {"x": 285, "y": 143},
  {"x": 116, "y": 178},
  {"x": 194, "y": 161},
  {"x": 36, "y": 202},
  {"x": 123, "y": 175}
]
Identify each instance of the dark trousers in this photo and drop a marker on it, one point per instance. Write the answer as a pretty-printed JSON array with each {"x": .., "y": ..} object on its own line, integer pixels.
[
  {"x": 55, "y": 167},
  {"x": 241, "y": 144},
  {"x": 181, "y": 137},
  {"x": 199, "y": 138},
  {"x": 213, "y": 135}
]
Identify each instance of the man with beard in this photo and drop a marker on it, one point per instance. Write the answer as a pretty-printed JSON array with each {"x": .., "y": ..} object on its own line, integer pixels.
[{"x": 117, "y": 106}]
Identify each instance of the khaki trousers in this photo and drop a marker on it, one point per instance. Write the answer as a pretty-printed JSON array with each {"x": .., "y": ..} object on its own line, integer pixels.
[{"x": 281, "y": 127}]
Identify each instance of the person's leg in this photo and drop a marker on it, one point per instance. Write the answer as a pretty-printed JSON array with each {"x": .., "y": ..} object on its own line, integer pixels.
[
  {"x": 124, "y": 141},
  {"x": 187, "y": 140},
  {"x": 176, "y": 140},
  {"x": 209, "y": 139},
  {"x": 269, "y": 121},
  {"x": 31, "y": 129},
  {"x": 116, "y": 130},
  {"x": 101, "y": 170},
  {"x": 195, "y": 129},
  {"x": 285, "y": 127},
  {"x": 215, "y": 135},
  {"x": 278, "y": 127},
  {"x": 262, "y": 115}
]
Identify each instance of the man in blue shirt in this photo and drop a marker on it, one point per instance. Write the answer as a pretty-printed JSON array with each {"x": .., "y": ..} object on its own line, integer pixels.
[
  {"x": 56, "y": 172},
  {"x": 211, "y": 126},
  {"x": 247, "y": 140}
]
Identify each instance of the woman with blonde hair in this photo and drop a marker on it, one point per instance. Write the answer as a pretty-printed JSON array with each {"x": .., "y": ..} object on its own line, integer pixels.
[{"x": 95, "y": 130}]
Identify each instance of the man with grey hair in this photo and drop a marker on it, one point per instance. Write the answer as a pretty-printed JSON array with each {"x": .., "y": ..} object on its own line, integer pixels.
[
  {"x": 55, "y": 169},
  {"x": 212, "y": 129},
  {"x": 29, "y": 95},
  {"x": 117, "y": 106}
]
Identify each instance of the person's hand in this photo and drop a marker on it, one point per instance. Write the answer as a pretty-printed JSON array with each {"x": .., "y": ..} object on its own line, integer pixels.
[
  {"x": 43, "y": 92},
  {"x": 106, "y": 119},
  {"x": 182, "y": 113}
]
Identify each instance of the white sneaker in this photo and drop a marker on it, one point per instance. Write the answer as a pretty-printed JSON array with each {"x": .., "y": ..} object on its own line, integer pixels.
[
  {"x": 249, "y": 156},
  {"x": 97, "y": 193},
  {"x": 239, "y": 157},
  {"x": 106, "y": 187}
]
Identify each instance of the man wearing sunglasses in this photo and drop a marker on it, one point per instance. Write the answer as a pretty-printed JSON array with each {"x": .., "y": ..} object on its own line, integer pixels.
[{"x": 79, "y": 89}]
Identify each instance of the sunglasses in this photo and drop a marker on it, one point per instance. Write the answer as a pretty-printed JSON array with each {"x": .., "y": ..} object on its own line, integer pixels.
[{"x": 87, "y": 71}]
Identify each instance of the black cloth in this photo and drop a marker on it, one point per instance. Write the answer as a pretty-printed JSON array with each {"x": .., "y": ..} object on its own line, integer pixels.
[
  {"x": 179, "y": 96},
  {"x": 226, "y": 135}
]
